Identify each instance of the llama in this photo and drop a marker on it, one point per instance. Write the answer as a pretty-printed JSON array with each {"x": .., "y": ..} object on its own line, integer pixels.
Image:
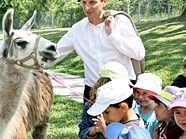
[{"x": 26, "y": 91}]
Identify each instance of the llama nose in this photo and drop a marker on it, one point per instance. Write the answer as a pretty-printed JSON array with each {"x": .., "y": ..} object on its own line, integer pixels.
[{"x": 52, "y": 48}]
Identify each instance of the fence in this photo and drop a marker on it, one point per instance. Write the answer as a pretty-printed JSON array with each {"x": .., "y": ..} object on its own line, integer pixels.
[{"x": 68, "y": 18}]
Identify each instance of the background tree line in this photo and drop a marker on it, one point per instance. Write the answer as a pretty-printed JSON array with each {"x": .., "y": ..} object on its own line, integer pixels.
[{"x": 64, "y": 13}]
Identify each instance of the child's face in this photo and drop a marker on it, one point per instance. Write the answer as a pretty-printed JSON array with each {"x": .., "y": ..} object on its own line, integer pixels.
[
  {"x": 142, "y": 98},
  {"x": 180, "y": 117},
  {"x": 161, "y": 111},
  {"x": 112, "y": 114}
]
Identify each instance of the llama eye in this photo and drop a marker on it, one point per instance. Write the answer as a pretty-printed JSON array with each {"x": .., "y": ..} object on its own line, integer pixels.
[{"x": 22, "y": 44}]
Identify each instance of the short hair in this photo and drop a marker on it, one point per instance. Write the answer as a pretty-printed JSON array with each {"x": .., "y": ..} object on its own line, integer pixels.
[{"x": 128, "y": 101}]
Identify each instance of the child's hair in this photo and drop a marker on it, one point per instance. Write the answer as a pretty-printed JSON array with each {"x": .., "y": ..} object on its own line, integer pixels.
[
  {"x": 184, "y": 62},
  {"x": 129, "y": 102},
  {"x": 172, "y": 130},
  {"x": 93, "y": 91}
]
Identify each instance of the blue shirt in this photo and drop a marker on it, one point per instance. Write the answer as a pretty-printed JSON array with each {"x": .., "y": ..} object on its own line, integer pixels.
[
  {"x": 86, "y": 123},
  {"x": 149, "y": 119},
  {"x": 116, "y": 130}
]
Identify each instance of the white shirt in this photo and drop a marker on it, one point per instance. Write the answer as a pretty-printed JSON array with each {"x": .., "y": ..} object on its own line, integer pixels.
[{"x": 95, "y": 47}]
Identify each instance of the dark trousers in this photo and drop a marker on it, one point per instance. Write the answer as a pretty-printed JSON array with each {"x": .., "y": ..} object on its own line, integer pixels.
[{"x": 86, "y": 95}]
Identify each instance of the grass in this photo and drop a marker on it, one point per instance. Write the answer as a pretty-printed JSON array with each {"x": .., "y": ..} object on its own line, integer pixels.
[
  {"x": 65, "y": 116},
  {"x": 165, "y": 43}
]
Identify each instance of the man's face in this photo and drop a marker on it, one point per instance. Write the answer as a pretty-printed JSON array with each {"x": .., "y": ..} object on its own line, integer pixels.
[{"x": 93, "y": 8}]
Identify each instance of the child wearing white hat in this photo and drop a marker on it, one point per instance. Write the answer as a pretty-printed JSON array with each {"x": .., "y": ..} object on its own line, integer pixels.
[
  {"x": 113, "y": 106},
  {"x": 147, "y": 83},
  {"x": 110, "y": 71}
]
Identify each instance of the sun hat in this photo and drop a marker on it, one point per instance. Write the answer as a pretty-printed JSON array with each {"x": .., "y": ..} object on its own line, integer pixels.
[
  {"x": 115, "y": 70},
  {"x": 149, "y": 82},
  {"x": 179, "y": 99},
  {"x": 166, "y": 95},
  {"x": 110, "y": 93}
]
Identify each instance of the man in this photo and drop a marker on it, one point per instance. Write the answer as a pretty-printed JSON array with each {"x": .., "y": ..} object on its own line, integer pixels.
[{"x": 97, "y": 40}]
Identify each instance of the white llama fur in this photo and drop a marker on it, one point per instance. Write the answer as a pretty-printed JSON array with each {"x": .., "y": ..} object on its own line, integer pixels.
[{"x": 25, "y": 94}]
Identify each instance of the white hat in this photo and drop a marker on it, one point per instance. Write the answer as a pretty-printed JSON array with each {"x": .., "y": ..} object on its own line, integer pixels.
[
  {"x": 115, "y": 70},
  {"x": 150, "y": 82},
  {"x": 110, "y": 93}
]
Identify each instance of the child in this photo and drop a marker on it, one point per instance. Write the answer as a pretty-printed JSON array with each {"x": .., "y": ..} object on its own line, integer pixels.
[
  {"x": 179, "y": 109},
  {"x": 110, "y": 71},
  {"x": 147, "y": 83},
  {"x": 114, "y": 99},
  {"x": 180, "y": 81},
  {"x": 166, "y": 128}
]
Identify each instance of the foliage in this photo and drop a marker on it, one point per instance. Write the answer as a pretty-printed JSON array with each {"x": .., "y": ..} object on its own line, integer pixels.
[{"x": 66, "y": 12}]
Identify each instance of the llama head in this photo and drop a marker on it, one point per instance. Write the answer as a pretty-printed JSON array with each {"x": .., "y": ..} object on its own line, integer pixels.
[{"x": 22, "y": 47}]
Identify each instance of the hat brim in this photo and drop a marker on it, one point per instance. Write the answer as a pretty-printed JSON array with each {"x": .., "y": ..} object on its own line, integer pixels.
[
  {"x": 97, "y": 109},
  {"x": 121, "y": 79},
  {"x": 114, "y": 129},
  {"x": 161, "y": 99},
  {"x": 180, "y": 103}
]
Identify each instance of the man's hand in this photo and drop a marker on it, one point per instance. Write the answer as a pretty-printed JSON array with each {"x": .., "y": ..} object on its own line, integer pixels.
[{"x": 109, "y": 24}]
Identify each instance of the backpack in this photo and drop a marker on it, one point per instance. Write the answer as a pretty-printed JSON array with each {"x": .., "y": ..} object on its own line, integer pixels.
[{"x": 138, "y": 65}]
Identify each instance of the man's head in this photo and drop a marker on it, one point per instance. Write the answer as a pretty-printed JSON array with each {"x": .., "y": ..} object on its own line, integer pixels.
[{"x": 93, "y": 9}]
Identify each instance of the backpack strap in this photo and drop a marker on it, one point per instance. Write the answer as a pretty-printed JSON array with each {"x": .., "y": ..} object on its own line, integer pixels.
[
  {"x": 138, "y": 65},
  {"x": 115, "y": 13}
]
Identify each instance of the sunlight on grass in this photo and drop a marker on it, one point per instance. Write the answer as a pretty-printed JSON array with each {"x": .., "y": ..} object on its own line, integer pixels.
[{"x": 165, "y": 45}]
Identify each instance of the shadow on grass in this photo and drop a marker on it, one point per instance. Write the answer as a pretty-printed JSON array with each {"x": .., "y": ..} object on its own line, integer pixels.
[{"x": 165, "y": 43}]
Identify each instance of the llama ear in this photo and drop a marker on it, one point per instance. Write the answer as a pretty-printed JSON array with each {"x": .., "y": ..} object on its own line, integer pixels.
[
  {"x": 7, "y": 24},
  {"x": 28, "y": 25}
]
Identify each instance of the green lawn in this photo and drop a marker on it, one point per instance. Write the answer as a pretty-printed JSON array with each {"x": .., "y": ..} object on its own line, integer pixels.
[{"x": 165, "y": 43}]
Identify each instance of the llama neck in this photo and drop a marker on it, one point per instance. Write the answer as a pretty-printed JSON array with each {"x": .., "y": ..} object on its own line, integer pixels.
[{"x": 12, "y": 83}]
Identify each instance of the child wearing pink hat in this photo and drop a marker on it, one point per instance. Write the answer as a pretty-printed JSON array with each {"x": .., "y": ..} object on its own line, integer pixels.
[
  {"x": 166, "y": 128},
  {"x": 179, "y": 109}
]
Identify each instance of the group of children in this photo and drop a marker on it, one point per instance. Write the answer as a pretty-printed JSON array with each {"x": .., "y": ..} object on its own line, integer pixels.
[{"x": 120, "y": 110}]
